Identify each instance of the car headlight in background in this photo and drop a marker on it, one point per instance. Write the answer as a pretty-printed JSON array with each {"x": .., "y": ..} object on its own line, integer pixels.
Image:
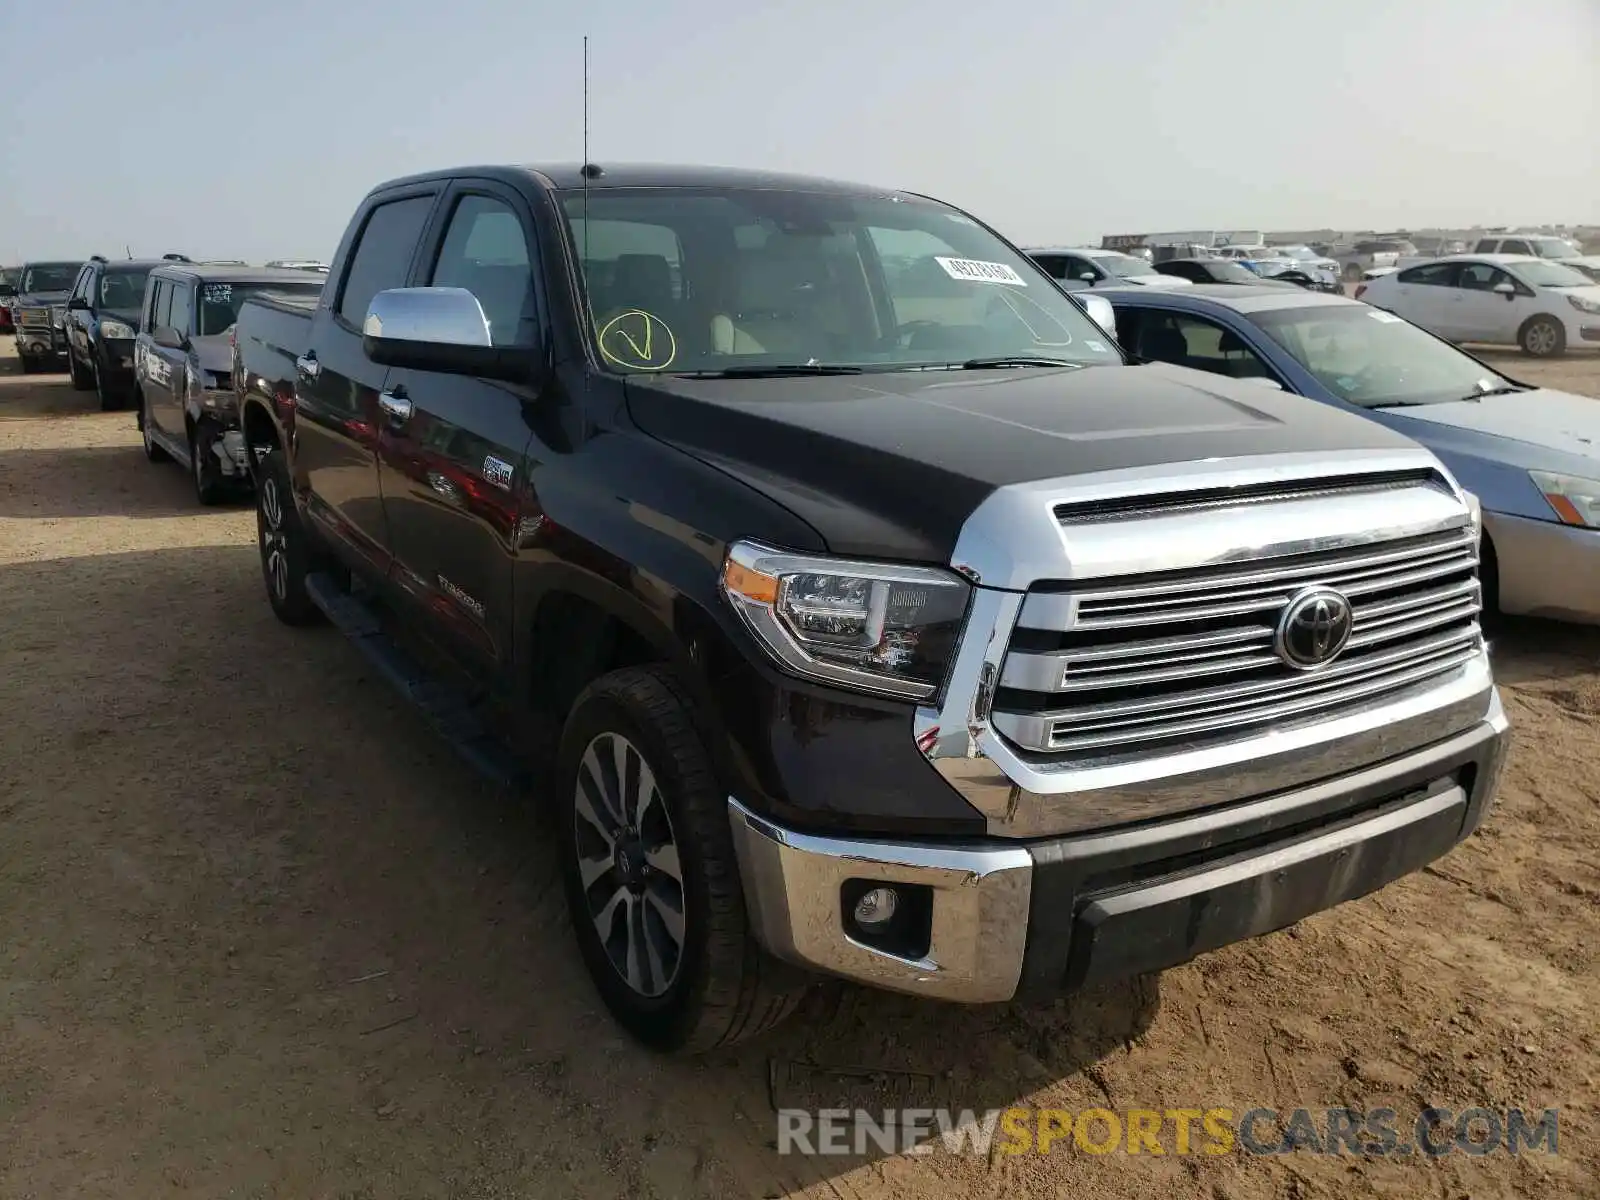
[
  {"x": 1575, "y": 499},
  {"x": 116, "y": 329},
  {"x": 871, "y": 627},
  {"x": 1584, "y": 304}
]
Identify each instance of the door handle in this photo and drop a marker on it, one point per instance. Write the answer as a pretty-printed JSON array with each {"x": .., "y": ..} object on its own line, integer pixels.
[
  {"x": 396, "y": 407},
  {"x": 308, "y": 366}
]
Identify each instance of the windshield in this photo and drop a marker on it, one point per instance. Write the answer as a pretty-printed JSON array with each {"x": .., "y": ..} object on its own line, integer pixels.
[
  {"x": 1299, "y": 253},
  {"x": 1549, "y": 274},
  {"x": 1125, "y": 266},
  {"x": 1550, "y": 247},
  {"x": 220, "y": 302},
  {"x": 715, "y": 279},
  {"x": 49, "y": 277},
  {"x": 1224, "y": 271},
  {"x": 122, "y": 289},
  {"x": 1374, "y": 358}
]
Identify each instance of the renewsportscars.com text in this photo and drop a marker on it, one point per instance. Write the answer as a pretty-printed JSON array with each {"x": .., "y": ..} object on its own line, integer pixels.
[{"x": 1372, "y": 1133}]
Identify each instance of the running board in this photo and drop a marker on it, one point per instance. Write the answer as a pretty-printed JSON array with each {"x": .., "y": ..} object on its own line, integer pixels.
[{"x": 445, "y": 707}]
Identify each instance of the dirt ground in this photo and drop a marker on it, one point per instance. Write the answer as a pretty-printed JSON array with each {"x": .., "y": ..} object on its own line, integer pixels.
[{"x": 262, "y": 936}]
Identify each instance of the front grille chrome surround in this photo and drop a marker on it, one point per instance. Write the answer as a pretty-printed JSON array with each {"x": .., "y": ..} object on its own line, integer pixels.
[{"x": 1159, "y": 582}]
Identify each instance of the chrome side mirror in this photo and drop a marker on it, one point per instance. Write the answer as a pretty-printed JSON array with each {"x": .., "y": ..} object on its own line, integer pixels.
[
  {"x": 441, "y": 329},
  {"x": 438, "y": 316},
  {"x": 1100, "y": 312}
]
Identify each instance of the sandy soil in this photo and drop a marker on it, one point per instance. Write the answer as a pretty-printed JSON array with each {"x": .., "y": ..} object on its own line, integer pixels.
[{"x": 261, "y": 936}]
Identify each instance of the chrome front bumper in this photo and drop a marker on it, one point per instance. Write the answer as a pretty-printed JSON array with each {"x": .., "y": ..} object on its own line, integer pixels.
[
  {"x": 1052, "y": 915},
  {"x": 792, "y": 888},
  {"x": 1546, "y": 569}
]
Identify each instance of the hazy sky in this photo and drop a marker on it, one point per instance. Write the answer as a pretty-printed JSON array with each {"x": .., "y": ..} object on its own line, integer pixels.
[{"x": 224, "y": 129}]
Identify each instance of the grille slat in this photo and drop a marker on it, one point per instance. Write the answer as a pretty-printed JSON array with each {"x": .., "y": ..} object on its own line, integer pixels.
[
  {"x": 1192, "y": 655},
  {"x": 1299, "y": 705}
]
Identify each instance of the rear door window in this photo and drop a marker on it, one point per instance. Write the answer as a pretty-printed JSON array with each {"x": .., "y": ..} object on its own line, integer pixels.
[
  {"x": 1431, "y": 275},
  {"x": 381, "y": 257}
]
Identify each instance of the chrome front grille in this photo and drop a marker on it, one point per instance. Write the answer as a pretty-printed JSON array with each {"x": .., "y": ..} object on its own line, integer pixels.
[
  {"x": 33, "y": 318},
  {"x": 1104, "y": 668}
]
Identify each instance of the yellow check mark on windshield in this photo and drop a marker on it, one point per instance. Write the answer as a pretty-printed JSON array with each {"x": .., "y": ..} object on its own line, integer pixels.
[{"x": 641, "y": 352}]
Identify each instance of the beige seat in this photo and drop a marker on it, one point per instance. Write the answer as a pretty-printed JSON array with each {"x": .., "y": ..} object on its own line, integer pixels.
[{"x": 775, "y": 310}]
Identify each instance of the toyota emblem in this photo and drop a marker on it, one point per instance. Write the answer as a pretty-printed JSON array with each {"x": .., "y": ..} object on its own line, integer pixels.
[{"x": 1314, "y": 628}]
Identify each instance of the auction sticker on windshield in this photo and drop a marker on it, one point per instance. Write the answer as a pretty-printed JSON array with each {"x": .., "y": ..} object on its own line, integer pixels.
[{"x": 973, "y": 271}]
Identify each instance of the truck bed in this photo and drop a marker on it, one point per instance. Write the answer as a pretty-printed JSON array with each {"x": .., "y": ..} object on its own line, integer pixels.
[{"x": 272, "y": 331}]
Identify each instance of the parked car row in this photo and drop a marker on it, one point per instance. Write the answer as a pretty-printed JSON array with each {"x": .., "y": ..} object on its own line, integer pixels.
[
  {"x": 34, "y": 309},
  {"x": 892, "y": 623}
]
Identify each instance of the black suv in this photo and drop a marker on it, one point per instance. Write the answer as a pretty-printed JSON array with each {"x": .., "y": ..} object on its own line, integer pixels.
[{"x": 102, "y": 322}]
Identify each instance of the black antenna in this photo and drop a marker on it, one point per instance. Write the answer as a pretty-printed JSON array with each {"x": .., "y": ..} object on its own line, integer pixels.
[
  {"x": 586, "y": 169},
  {"x": 583, "y": 267},
  {"x": 129, "y": 250}
]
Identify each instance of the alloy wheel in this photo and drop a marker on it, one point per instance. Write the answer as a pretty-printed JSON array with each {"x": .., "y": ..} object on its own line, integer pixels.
[
  {"x": 1541, "y": 339},
  {"x": 274, "y": 538},
  {"x": 628, "y": 864}
]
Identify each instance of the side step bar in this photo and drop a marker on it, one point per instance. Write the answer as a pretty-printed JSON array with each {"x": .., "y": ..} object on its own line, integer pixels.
[{"x": 446, "y": 708}]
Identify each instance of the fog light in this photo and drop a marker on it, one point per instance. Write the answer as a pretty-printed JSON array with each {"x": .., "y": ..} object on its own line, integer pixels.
[{"x": 876, "y": 908}]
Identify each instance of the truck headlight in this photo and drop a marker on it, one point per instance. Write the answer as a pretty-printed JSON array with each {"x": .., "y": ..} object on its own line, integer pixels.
[
  {"x": 872, "y": 627},
  {"x": 1575, "y": 499},
  {"x": 116, "y": 329}
]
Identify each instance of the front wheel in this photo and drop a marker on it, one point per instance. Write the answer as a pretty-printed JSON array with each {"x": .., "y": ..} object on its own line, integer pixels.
[
  {"x": 1542, "y": 337},
  {"x": 82, "y": 380},
  {"x": 652, "y": 883},
  {"x": 108, "y": 401},
  {"x": 208, "y": 487},
  {"x": 151, "y": 451}
]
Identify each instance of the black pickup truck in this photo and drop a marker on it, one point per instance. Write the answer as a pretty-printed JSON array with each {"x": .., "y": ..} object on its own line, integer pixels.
[{"x": 895, "y": 625}]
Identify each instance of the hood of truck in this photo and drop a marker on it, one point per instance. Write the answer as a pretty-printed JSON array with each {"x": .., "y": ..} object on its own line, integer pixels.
[
  {"x": 214, "y": 352},
  {"x": 40, "y": 299},
  {"x": 891, "y": 465}
]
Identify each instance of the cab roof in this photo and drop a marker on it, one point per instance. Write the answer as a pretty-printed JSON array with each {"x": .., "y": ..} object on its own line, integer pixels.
[{"x": 569, "y": 176}]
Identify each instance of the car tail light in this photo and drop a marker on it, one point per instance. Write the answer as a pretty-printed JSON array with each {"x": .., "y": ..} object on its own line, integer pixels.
[{"x": 1360, "y": 287}]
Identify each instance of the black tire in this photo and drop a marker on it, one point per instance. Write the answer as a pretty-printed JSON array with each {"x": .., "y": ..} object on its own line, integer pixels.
[
  {"x": 151, "y": 451},
  {"x": 108, "y": 401},
  {"x": 82, "y": 380},
  {"x": 722, "y": 987},
  {"x": 1542, "y": 337},
  {"x": 286, "y": 556},
  {"x": 209, "y": 487},
  {"x": 1352, "y": 272}
]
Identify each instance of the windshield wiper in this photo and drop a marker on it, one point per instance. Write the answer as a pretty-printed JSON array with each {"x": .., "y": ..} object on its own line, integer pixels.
[
  {"x": 1016, "y": 360},
  {"x": 1505, "y": 389},
  {"x": 772, "y": 371}
]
